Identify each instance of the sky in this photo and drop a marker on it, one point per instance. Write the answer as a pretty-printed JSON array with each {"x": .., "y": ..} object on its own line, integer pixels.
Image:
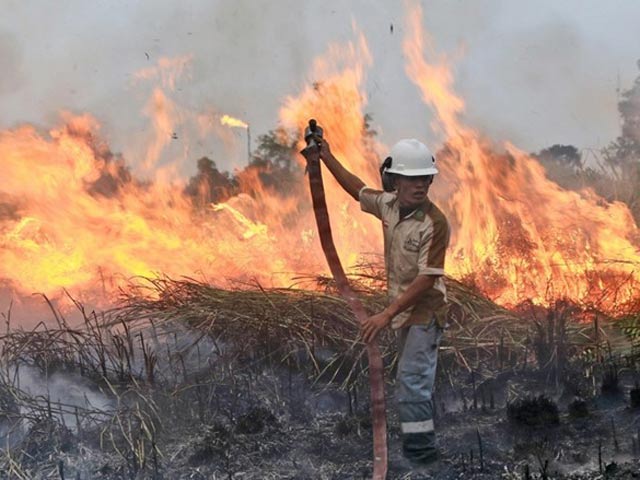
[{"x": 532, "y": 73}]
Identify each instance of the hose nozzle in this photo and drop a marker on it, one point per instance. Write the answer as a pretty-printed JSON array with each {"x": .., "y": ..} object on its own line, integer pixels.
[{"x": 313, "y": 134}]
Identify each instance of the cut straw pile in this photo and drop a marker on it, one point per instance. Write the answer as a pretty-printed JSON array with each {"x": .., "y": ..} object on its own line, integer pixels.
[{"x": 283, "y": 321}]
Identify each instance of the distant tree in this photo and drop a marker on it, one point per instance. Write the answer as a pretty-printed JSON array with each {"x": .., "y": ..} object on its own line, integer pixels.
[
  {"x": 8, "y": 211},
  {"x": 368, "y": 136},
  {"x": 618, "y": 178},
  {"x": 114, "y": 174},
  {"x": 626, "y": 148},
  {"x": 567, "y": 155},
  {"x": 209, "y": 185},
  {"x": 277, "y": 147},
  {"x": 369, "y": 132},
  {"x": 274, "y": 161},
  {"x": 623, "y": 154},
  {"x": 563, "y": 165}
]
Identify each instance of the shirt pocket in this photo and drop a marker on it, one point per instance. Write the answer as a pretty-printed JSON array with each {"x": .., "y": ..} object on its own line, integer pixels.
[{"x": 408, "y": 259}]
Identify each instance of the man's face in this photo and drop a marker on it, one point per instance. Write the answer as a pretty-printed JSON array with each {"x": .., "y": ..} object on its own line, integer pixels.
[{"x": 412, "y": 191}]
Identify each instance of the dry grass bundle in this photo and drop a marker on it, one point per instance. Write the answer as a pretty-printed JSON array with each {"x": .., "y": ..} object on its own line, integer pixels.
[
  {"x": 277, "y": 323},
  {"x": 286, "y": 326}
]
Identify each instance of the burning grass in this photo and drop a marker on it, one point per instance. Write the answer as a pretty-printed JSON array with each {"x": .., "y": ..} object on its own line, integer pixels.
[{"x": 184, "y": 376}]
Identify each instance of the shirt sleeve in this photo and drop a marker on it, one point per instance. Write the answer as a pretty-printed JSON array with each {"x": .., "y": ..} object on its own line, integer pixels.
[
  {"x": 371, "y": 201},
  {"x": 433, "y": 248}
]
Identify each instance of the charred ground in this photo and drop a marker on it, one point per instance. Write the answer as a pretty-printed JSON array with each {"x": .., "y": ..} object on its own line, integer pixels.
[{"x": 253, "y": 383}]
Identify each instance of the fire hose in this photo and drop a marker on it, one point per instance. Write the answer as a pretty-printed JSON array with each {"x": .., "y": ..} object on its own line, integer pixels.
[{"x": 376, "y": 371}]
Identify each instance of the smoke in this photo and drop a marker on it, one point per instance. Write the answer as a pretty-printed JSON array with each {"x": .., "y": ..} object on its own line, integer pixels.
[
  {"x": 68, "y": 389},
  {"x": 551, "y": 65},
  {"x": 63, "y": 394},
  {"x": 537, "y": 74},
  {"x": 12, "y": 75},
  {"x": 244, "y": 60}
]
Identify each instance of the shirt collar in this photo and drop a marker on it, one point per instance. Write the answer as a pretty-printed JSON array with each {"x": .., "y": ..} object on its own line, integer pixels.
[{"x": 420, "y": 213}]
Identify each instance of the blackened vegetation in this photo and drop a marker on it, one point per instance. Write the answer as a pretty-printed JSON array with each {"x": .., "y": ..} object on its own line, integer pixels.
[
  {"x": 578, "y": 409},
  {"x": 634, "y": 396},
  {"x": 533, "y": 412},
  {"x": 210, "y": 445},
  {"x": 199, "y": 382},
  {"x": 611, "y": 382},
  {"x": 255, "y": 421},
  {"x": 46, "y": 436}
]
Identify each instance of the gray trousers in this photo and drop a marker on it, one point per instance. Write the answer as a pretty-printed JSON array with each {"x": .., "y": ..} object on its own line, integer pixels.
[{"x": 417, "y": 362}]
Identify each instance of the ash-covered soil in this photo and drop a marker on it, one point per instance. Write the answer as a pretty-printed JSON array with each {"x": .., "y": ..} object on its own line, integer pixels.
[
  {"x": 279, "y": 426},
  {"x": 210, "y": 384}
]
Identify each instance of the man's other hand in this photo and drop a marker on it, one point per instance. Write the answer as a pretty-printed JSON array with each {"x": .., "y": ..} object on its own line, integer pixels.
[{"x": 373, "y": 324}]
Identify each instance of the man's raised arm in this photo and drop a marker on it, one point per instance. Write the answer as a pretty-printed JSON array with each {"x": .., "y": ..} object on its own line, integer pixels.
[{"x": 347, "y": 180}]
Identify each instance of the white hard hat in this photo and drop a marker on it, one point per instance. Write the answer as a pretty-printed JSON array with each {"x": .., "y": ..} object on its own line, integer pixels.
[{"x": 411, "y": 158}]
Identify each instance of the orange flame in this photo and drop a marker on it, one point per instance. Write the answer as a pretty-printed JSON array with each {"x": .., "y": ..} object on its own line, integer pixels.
[
  {"x": 72, "y": 217},
  {"x": 336, "y": 100},
  {"x": 66, "y": 233},
  {"x": 518, "y": 235}
]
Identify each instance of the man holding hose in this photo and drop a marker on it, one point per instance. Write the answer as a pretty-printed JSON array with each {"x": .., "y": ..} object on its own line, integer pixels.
[{"x": 416, "y": 236}]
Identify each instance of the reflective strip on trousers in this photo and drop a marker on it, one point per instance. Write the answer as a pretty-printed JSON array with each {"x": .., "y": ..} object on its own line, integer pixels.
[{"x": 417, "y": 427}]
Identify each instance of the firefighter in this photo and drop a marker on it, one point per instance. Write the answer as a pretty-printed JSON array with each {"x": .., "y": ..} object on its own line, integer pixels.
[{"x": 416, "y": 236}]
